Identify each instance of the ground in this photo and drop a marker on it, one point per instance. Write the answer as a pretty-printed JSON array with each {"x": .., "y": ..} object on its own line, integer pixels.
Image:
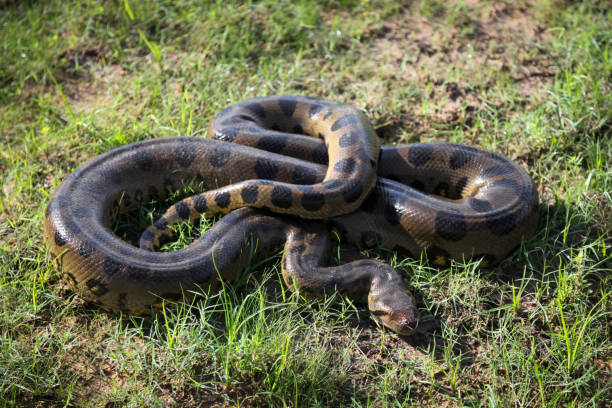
[{"x": 530, "y": 80}]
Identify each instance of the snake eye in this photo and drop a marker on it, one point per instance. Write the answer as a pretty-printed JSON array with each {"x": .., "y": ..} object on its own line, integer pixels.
[
  {"x": 379, "y": 313},
  {"x": 246, "y": 118}
]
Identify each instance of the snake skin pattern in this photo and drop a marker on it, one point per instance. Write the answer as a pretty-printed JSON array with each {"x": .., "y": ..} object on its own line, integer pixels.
[{"x": 448, "y": 201}]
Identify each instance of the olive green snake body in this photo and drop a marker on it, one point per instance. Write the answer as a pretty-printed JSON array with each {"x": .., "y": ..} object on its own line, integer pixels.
[{"x": 279, "y": 186}]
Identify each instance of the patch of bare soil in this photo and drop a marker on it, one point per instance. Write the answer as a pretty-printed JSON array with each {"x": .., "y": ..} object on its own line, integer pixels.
[
  {"x": 460, "y": 60},
  {"x": 96, "y": 90}
]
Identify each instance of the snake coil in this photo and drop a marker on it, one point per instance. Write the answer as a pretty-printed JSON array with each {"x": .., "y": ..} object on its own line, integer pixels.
[{"x": 449, "y": 201}]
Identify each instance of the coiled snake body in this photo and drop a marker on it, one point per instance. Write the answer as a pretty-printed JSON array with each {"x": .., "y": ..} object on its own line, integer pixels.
[{"x": 451, "y": 201}]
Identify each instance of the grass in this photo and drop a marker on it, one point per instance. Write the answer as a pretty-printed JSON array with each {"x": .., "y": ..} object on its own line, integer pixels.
[{"x": 527, "y": 79}]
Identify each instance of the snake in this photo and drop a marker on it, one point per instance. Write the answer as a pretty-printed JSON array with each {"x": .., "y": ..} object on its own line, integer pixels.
[{"x": 287, "y": 172}]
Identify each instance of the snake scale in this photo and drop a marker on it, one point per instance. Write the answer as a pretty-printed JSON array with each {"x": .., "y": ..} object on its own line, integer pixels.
[{"x": 286, "y": 170}]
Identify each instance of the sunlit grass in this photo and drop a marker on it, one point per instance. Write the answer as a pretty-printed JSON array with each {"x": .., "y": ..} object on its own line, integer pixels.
[{"x": 79, "y": 79}]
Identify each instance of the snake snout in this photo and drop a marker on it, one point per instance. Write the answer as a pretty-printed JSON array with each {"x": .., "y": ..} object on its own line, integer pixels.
[{"x": 402, "y": 320}]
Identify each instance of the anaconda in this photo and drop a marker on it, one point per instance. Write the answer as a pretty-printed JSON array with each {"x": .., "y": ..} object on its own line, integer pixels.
[{"x": 290, "y": 158}]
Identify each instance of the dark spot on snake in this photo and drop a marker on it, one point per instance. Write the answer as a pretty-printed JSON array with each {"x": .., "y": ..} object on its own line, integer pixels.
[
  {"x": 391, "y": 214},
  {"x": 345, "y": 121},
  {"x": 418, "y": 185},
  {"x": 161, "y": 224},
  {"x": 365, "y": 157},
  {"x": 184, "y": 154},
  {"x": 348, "y": 139},
  {"x": 459, "y": 158},
  {"x": 110, "y": 266},
  {"x": 460, "y": 186},
  {"x": 266, "y": 169},
  {"x": 59, "y": 239},
  {"x": 222, "y": 199},
  {"x": 314, "y": 109},
  {"x": 498, "y": 170},
  {"x": 297, "y": 129},
  {"x": 96, "y": 287},
  {"x": 345, "y": 166},
  {"x": 143, "y": 160},
  {"x": 352, "y": 190},
  {"x": 420, "y": 154},
  {"x": 182, "y": 209},
  {"x": 328, "y": 114},
  {"x": 313, "y": 200},
  {"x": 370, "y": 202},
  {"x": 303, "y": 175},
  {"x": 441, "y": 189},
  {"x": 81, "y": 212},
  {"x": 281, "y": 197},
  {"x": 250, "y": 193},
  {"x": 479, "y": 205},
  {"x": 451, "y": 225},
  {"x": 319, "y": 155},
  {"x": 287, "y": 105},
  {"x": 500, "y": 222},
  {"x": 136, "y": 273},
  {"x": 85, "y": 249},
  {"x": 370, "y": 238},
  {"x": 256, "y": 109},
  {"x": 220, "y": 156},
  {"x": 274, "y": 143}
]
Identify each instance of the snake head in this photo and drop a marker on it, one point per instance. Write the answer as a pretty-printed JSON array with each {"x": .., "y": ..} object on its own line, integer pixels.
[
  {"x": 391, "y": 303},
  {"x": 403, "y": 320}
]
